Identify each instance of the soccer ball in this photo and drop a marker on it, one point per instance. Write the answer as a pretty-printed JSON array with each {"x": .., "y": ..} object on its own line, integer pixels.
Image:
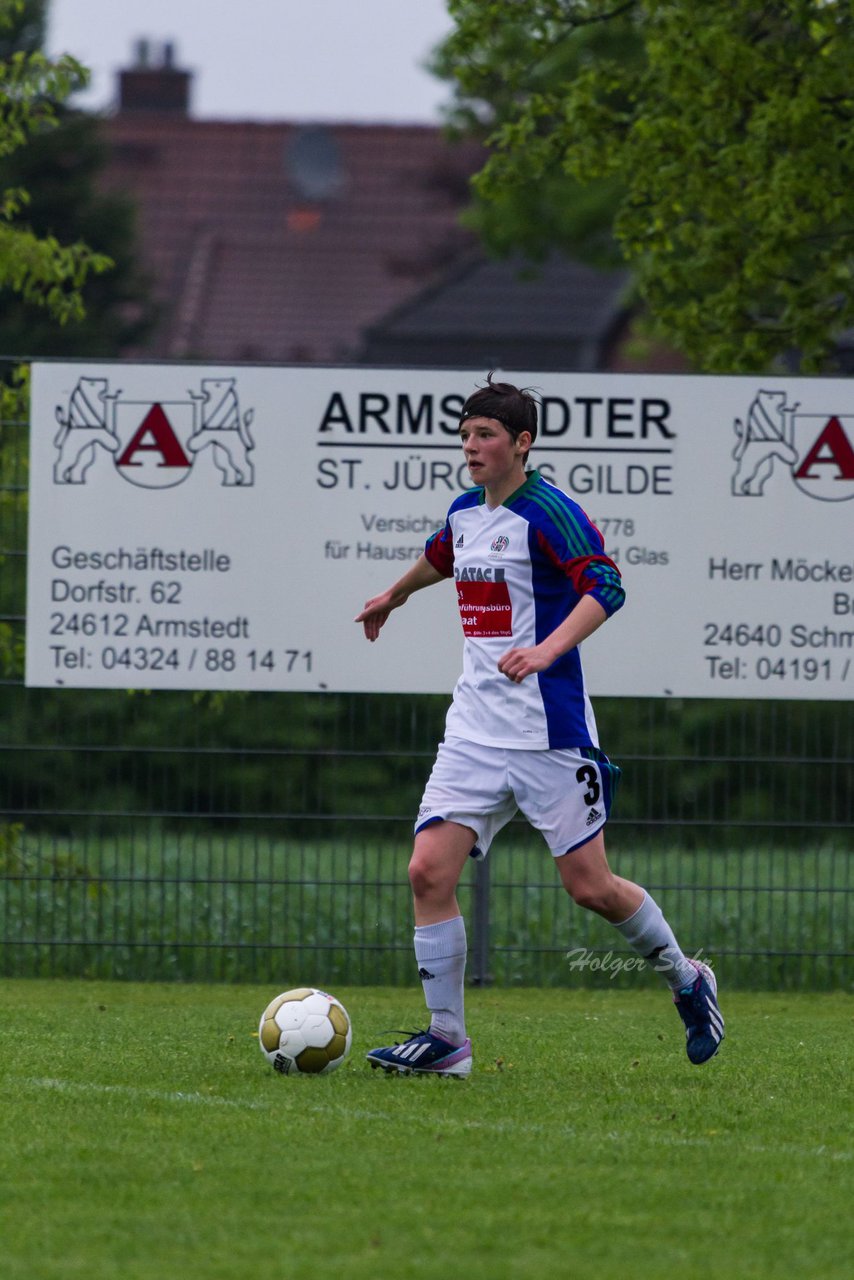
[{"x": 305, "y": 1032}]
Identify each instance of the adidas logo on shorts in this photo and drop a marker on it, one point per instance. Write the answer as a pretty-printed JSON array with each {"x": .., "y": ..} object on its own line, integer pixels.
[{"x": 593, "y": 816}]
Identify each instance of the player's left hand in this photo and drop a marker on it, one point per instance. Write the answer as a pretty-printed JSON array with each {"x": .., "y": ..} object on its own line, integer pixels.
[{"x": 516, "y": 664}]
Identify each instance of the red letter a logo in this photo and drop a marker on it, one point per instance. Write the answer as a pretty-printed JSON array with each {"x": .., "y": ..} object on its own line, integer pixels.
[
  {"x": 831, "y": 448},
  {"x": 154, "y": 435}
]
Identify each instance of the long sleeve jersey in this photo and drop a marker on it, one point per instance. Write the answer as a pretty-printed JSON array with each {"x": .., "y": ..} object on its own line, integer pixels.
[{"x": 520, "y": 569}]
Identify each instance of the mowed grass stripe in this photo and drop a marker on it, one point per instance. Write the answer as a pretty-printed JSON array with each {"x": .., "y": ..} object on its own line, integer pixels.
[{"x": 342, "y": 1107}]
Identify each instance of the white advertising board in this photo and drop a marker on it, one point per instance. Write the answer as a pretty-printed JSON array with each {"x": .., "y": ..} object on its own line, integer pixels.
[{"x": 196, "y": 527}]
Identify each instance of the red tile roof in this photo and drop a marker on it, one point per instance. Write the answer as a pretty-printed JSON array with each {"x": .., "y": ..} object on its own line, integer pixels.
[{"x": 257, "y": 254}]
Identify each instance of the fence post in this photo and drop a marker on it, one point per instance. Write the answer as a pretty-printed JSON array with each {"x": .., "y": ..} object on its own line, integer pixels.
[{"x": 479, "y": 951}]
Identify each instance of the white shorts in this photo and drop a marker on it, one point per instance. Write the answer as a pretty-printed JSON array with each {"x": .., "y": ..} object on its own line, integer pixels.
[{"x": 565, "y": 794}]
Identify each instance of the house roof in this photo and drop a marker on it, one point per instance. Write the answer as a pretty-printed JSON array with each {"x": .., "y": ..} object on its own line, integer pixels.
[
  {"x": 285, "y": 242},
  {"x": 561, "y": 314}
]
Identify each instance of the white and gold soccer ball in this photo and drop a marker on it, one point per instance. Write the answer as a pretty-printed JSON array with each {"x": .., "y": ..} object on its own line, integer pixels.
[{"x": 305, "y": 1032}]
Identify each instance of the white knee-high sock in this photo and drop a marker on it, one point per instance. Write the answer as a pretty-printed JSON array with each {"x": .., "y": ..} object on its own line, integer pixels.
[
  {"x": 648, "y": 933},
  {"x": 440, "y": 950}
]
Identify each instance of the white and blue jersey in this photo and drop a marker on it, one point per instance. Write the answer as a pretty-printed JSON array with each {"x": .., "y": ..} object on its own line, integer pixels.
[{"x": 520, "y": 569}]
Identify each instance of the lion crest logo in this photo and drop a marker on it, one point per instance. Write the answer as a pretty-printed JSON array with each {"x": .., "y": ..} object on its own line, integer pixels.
[
  {"x": 815, "y": 447},
  {"x": 154, "y": 443}
]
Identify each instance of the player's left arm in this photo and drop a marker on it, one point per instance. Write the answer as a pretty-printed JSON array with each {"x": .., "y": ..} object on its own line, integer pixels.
[
  {"x": 587, "y": 616},
  {"x": 597, "y": 580}
]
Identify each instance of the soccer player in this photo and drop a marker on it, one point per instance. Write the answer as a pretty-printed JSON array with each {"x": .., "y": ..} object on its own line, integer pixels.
[{"x": 533, "y": 582}]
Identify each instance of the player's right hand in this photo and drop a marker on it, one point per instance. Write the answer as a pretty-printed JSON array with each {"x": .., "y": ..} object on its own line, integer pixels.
[{"x": 374, "y": 615}]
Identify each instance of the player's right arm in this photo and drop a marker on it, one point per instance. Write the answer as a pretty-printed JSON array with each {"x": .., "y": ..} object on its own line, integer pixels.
[{"x": 376, "y": 611}]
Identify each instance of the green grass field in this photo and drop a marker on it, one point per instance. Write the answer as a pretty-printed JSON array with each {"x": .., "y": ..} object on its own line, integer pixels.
[{"x": 144, "y": 1136}]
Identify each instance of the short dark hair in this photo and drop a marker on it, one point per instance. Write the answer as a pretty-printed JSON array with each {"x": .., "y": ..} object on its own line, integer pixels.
[{"x": 514, "y": 407}]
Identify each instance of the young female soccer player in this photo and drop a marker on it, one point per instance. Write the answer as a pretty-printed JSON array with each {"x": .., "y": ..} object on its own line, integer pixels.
[{"x": 533, "y": 582}]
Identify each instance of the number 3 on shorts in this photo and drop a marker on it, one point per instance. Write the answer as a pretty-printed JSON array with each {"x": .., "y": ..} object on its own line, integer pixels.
[{"x": 589, "y": 775}]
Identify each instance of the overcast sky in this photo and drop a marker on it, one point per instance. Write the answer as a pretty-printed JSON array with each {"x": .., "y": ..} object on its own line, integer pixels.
[{"x": 268, "y": 59}]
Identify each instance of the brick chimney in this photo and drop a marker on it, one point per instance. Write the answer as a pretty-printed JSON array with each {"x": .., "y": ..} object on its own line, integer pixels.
[{"x": 154, "y": 83}]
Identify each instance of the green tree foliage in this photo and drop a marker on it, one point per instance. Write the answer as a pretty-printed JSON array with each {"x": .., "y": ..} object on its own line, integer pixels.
[
  {"x": 36, "y": 268},
  {"x": 555, "y": 210},
  {"x": 49, "y": 170},
  {"x": 724, "y": 131},
  {"x": 59, "y": 170}
]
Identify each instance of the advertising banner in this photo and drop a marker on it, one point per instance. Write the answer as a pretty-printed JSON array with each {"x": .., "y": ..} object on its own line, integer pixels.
[{"x": 199, "y": 527}]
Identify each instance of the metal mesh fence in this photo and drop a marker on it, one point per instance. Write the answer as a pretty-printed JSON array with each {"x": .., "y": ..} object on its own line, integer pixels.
[{"x": 265, "y": 837}]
